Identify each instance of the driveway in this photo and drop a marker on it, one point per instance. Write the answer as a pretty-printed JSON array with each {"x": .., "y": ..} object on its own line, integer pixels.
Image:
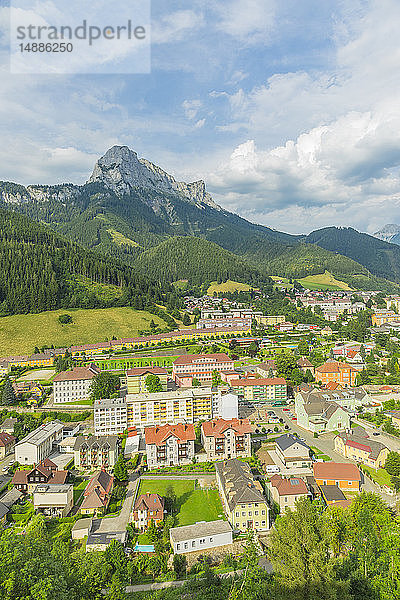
[{"x": 120, "y": 523}]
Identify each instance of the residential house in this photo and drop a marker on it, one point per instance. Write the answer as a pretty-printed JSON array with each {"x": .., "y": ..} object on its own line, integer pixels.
[
  {"x": 319, "y": 415},
  {"x": 364, "y": 450},
  {"x": 97, "y": 493},
  {"x": 199, "y": 366},
  {"x": 305, "y": 365},
  {"x": 285, "y": 491},
  {"x": 8, "y": 425},
  {"x": 349, "y": 398},
  {"x": 345, "y": 475},
  {"x": 267, "y": 369},
  {"x": 148, "y": 507},
  {"x": 53, "y": 500},
  {"x": 226, "y": 438},
  {"x": 292, "y": 451},
  {"x": 39, "y": 444},
  {"x": 95, "y": 452},
  {"x": 74, "y": 385},
  {"x": 242, "y": 496},
  {"x": 7, "y": 501},
  {"x": 26, "y": 481},
  {"x": 169, "y": 445},
  {"x": 256, "y": 389},
  {"x": 7, "y": 444},
  {"x": 110, "y": 416},
  {"x": 395, "y": 416},
  {"x": 136, "y": 378},
  {"x": 200, "y": 536},
  {"x": 337, "y": 371}
]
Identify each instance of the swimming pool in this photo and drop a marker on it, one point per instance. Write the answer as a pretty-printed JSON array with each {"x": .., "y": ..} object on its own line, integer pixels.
[{"x": 144, "y": 548}]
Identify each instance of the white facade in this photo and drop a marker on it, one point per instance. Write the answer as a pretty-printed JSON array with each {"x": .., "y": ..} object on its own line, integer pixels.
[
  {"x": 110, "y": 416},
  {"x": 38, "y": 444},
  {"x": 173, "y": 452},
  {"x": 74, "y": 385},
  {"x": 225, "y": 406},
  {"x": 54, "y": 500},
  {"x": 201, "y": 536}
]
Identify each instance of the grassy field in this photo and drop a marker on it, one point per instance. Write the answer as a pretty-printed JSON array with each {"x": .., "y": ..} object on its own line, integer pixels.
[
  {"x": 120, "y": 239},
  {"x": 19, "y": 334},
  {"x": 380, "y": 476},
  {"x": 325, "y": 281},
  {"x": 228, "y": 286},
  {"x": 194, "y": 504}
]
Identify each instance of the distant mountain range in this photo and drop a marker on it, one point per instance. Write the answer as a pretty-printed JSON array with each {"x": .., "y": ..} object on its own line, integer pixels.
[
  {"x": 389, "y": 233},
  {"x": 133, "y": 211}
]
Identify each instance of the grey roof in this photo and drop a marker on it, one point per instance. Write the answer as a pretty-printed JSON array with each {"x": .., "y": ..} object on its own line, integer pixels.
[
  {"x": 200, "y": 529},
  {"x": 288, "y": 439},
  {"x": 104, "y": 538},
  {"x": 238, "y": 482},
  {"x": 42, "y": 433},
  {"x": 91, "y": 440},
  {"x": 11, "y": 497},
  {"x": 3, "y": 510},
  {"x": 82, "y": 524},
  {"x": 52, "y": 488},
  {"x": 8, "y": 423},
  {"x": 332, "y": 493},
  {"x": 316, "y": 395}
]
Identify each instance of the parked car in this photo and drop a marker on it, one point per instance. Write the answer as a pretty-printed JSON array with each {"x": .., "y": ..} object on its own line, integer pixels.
[{"x": 376, "y": 433}]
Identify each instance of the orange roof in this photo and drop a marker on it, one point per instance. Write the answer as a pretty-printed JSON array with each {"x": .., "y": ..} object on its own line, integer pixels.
[
  {"x": 291, "y": 486},
  {"x": 333, "y": 366},
  {"x": 187, "y": 359},
  {"x": 336, "y": 471},
  {"x": 216, "y": 427},
  {"x": 149, "y": 502},
  {"x": 158, "y": 435},
  {"x": 137, "y": 371},
  {"x": 332, "y": 385},
  {"x": 258, "y": 381}
]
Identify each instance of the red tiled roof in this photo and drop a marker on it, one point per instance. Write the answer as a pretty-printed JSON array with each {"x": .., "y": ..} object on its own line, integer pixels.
[
  {"x": 158, "y": 435},
  {"x": 336, "y": 471},
  {"x": 149, "y": 502},
  {"x": 258, "y": 381},
  {"x": 187, "y": 359},
  {"x": 78, "y": 373},
  {"x": 137, "y": 371},
  {"x": 291, "y": 486},
  {"x": 6, "y": 439},
  {"x": 216, "y": 427},
  {"x": 332, "y": 385},
  {"x": 333, "y": 366}
]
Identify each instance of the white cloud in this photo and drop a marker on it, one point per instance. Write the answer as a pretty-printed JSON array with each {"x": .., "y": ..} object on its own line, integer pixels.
[
  {"x": 250, "y": 21},
  {"x": 175, "y": 26},
  {"x": 191, "y": 108}
]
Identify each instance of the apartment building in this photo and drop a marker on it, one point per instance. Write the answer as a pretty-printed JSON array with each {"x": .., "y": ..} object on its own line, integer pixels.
[
  {"x": 393, "y": 301},
  {"x": 234, "y": 313},
  {"x": 224, "y": 439},
  {"x": 242, "y": 496},
  {"x": 224, "y": 322},
  {"x": 185, "y": 405},
  {"x": 92, "y": 452},
  {"x": 39, "y": 444},
  {"x": 382, "y": 316},
  {"x": 148, "y": 507},
  {"x": 110, "y": 416},
  {"x": 362, "y": 449},
  {"x": 270, "y": 320},
  {"x": 169, "y": 445},
  {"x": 256, "y": 389},
  {"x": 200, "y": 366},
  {"x": 136, "y": 378},
  {"x": 339, "y": 372},
  {"x": 74, "y": 385},
  {"x": 225, "y": 404}
]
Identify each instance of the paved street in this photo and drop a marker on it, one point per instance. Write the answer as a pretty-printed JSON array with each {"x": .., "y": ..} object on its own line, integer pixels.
[{"x": 120, "y": 523}]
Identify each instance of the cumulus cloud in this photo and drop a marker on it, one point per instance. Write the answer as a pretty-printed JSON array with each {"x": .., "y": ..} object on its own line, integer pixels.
[
  {"x": 324, "y": 148},
  {"x": 250, "y": 21}
]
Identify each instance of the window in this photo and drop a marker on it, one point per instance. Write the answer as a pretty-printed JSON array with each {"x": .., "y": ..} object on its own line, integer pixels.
[
  {"x": 263, "y": 512},
  {"x": 178, "y": 546},
  {"x": 256, "y": 512}
]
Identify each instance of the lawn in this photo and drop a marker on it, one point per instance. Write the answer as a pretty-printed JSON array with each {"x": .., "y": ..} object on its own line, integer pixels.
[
  {"x": 325, "y": 281},
  {"x": 381, "y": 476},
  {"x": 79, "y": 486},
  {"x": 228, "y": 286},
  {"x": 193, "y": 504},
  {"x": 19, "y": 334}
]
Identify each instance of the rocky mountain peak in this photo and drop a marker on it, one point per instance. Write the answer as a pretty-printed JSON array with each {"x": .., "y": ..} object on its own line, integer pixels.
[{"x": 121, "y": 170}]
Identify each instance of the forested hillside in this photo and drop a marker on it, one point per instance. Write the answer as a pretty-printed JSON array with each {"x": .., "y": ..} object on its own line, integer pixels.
[
  {"x": 40, "y": 270},
  {"x": 197, "y": 260}
]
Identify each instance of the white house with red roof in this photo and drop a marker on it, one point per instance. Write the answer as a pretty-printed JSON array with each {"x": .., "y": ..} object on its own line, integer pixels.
[
  {"x": 169, "y": 445},
  {"x": 223, "y": 439},
  {"x": 148, "y": 507},
  {"x": 286, "y": 491}
]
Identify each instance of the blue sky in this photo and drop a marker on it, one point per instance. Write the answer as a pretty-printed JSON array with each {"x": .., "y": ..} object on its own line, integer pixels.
[{"x": 288, "y": 110}]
